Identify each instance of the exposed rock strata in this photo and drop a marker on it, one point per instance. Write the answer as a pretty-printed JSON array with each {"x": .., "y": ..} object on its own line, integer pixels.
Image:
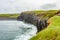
[{"x": 33, "y": 19}]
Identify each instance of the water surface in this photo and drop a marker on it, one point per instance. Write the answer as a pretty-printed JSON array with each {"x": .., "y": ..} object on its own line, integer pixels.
[{"x": 16, "y": 30}]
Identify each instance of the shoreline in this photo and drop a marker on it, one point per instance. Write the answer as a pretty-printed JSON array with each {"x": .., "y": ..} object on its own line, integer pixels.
[{"x": 5, "y": 18}]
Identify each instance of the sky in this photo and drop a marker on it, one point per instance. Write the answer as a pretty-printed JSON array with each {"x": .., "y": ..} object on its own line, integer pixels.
[{"x": 17, "y": 6}]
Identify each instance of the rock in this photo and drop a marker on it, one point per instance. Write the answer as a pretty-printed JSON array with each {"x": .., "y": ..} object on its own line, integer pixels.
[
  {"x": 52, "y": 32},
  {"x": 29, "y": 18},
  {"x": 21, "y": 17},
  {"x": 58, "y": 13},
  {"x": 41, "y": 25},
  {"x": 33, "y": 19}
]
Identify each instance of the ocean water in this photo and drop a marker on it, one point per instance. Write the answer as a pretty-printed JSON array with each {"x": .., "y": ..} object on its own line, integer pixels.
[{"x": 16, "y": 30}]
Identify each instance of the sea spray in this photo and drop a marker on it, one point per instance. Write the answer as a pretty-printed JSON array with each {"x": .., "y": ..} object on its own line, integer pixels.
[{"x": 26, "y": 31}]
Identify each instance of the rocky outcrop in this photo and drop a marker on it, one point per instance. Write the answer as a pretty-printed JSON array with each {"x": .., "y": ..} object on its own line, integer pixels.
[
  {"x": 41, "y": 24},
  {"x": 29, "y": 18},
  {"x": 52, "y": 32},
  {"x": 33, "y": 19}
]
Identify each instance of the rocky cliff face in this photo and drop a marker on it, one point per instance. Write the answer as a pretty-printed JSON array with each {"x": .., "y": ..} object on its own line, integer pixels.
[
  {"x": 29, "y": 18},
  {"x": 37, "y": 18},
  {"x": 33, "y": 19}
]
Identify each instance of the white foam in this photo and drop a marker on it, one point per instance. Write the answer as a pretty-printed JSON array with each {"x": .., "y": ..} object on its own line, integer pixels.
[{"x": 27, "y": 29}]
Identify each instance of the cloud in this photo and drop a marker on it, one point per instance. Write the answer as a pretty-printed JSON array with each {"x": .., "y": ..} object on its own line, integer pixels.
[
  {"x": 12, "y": 6},
  {"x": 48, "y": 6}
]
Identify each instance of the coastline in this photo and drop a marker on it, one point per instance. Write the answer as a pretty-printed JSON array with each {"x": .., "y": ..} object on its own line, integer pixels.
[{"x": 5, "y": 18}]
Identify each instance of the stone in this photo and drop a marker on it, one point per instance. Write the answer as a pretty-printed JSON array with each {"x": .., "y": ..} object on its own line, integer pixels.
[
  {"x": 33, "y": 19},
  {"x": 41, "y": 25},
  {"x": 29, "y": 18}
]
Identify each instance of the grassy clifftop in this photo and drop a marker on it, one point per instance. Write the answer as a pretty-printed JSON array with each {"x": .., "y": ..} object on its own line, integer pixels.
[
  {"x": 52, "y": 32},
  {"x": 43, "y": 14},
  {"x": 39, "y": 13},
  {"x": 9, "y": 15}
]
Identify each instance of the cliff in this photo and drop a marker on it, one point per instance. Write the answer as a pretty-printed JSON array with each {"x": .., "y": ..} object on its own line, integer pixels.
[
  {"x": 37, "y": 18},
  {"x": 52, "y": 32}
]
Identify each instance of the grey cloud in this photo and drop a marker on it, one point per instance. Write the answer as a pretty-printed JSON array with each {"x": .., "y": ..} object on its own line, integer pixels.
[
  {"x": 48, "y": 6},
  {"x": 10, "y": 6}
]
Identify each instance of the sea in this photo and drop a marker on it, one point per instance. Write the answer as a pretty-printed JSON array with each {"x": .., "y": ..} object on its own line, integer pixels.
[{"x": 16, "y": 30}]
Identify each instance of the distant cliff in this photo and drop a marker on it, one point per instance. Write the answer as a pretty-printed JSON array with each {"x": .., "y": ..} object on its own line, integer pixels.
[{"x": 9, "y": 16}]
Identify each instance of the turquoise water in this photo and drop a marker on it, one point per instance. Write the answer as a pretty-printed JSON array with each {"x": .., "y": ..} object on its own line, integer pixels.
[{"x": 16, "y": 30}]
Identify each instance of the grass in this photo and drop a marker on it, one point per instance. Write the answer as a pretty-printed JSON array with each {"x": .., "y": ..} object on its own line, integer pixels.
[
  {"x": 52, "y": 32},
  {"x": 38, "y": 13},
  {"x": 43, "y": 14},
  {"x": 9, "y": 15}
]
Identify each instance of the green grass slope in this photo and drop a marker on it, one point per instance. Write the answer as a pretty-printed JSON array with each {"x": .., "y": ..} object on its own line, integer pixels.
[
  {"x": 38, "y": 13},
  {"x": 42, "y": 14},
  {"x": 52, "y": 32},
  {"x": 9, "y": 15}
]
